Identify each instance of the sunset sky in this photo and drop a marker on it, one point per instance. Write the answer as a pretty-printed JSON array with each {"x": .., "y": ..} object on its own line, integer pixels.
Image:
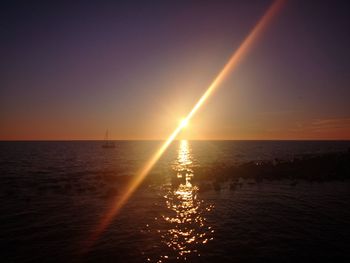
[{"x": 70, "y": 71}]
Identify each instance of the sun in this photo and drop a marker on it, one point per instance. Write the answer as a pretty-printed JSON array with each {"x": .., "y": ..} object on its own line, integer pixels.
[{"x": 184, "y": 123}]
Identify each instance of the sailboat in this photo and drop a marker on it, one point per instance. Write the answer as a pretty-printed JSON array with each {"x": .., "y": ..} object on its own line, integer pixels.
[{"x": 107, "y": 143}]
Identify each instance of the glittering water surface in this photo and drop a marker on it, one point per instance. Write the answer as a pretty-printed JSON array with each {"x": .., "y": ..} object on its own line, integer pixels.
[
  {"x": 54, "y": 193},
  {"x": 187, "y": 229}
]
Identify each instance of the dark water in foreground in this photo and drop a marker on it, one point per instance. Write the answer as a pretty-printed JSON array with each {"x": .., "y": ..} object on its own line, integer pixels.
[{"x": 54, "y": 193}]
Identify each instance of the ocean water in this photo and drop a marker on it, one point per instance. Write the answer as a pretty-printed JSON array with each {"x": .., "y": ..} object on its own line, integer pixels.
[{"x": 54, "y": 194}]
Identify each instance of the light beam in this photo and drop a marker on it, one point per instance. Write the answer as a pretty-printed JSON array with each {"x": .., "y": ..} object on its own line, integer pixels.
[{"x": 229, "y": 67}]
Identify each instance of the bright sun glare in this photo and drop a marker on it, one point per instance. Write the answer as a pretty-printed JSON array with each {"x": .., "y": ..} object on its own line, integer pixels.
[
  {"x": 231, "y": 64},
  {"x": 184, "y": 123}
]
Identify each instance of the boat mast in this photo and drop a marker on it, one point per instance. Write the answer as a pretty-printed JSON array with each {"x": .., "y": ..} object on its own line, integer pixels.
[{"x": 106, "y": 136}]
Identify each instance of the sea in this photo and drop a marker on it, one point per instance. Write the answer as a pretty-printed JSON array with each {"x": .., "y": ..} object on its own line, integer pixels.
[{"x": 56, "y": 195}]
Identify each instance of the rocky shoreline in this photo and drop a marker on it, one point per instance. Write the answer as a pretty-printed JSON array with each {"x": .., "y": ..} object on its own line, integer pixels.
[{"x": 315, "y": 167}]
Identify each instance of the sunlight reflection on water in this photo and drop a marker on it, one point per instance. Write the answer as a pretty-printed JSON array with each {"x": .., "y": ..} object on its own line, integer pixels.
[{"x": 186, "y": 227}]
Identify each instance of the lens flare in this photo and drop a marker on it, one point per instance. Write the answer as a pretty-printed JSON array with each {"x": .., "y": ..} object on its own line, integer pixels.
[{"x": 229, "y": 67}]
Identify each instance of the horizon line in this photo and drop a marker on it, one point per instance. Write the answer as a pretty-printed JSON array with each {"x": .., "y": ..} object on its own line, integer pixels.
[{"x": 101, "y": 140}]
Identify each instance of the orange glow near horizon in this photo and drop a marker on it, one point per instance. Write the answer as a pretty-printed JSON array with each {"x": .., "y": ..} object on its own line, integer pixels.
[{"x": 230, "y": 65}]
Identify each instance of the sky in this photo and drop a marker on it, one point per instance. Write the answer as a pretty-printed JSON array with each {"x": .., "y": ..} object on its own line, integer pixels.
[{"x": 71, "y": 70}]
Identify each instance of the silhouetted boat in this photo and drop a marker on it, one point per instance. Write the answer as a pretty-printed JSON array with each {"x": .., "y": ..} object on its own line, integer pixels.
[{"x": 107, "y": 143}]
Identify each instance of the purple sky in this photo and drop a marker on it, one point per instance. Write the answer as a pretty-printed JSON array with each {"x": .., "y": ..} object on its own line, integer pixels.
[{"x": 69, "y": 71}]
